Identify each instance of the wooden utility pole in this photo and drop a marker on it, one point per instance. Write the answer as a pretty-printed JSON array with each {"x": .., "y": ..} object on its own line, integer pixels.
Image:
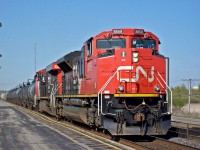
[{"x": 0, "y": 54}]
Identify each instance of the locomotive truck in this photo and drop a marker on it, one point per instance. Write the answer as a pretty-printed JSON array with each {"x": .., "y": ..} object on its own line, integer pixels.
[{"x": 117, "y": 82}]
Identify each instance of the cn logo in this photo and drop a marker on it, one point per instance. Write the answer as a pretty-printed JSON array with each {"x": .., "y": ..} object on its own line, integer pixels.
[{"x": 148, "y": 75}]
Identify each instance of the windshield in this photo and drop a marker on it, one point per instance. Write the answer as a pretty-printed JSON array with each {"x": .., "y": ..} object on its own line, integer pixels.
[
  {"x": 143, "y": 43},
  {"x": 111, "y": 43}
]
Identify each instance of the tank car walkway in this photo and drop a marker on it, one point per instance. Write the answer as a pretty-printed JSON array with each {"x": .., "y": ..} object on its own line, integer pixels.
[{"x": 18, "y": 131}]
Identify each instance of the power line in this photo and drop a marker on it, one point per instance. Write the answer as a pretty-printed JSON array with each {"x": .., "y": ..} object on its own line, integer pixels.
[{"x": 189, "y": 94}]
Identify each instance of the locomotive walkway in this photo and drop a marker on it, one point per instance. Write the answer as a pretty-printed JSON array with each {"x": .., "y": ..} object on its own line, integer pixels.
[{"x": 22, "y": 131}]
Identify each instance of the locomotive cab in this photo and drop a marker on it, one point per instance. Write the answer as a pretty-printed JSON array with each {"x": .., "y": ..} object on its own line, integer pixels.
[
  {"x": 50, "y": 85},
  {"x": 126, "y": 70}
]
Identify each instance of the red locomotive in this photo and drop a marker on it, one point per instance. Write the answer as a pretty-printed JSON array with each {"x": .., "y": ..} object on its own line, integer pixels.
[{"x": 117, "y": 82}]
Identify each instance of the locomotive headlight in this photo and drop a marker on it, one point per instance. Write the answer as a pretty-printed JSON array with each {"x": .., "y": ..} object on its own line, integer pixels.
[
  {"x": 120, "y": 88},
  {"x": 135, "y": 56},
  {"x": 135, "y": 59},
  {"x": 157, "y": 88}
]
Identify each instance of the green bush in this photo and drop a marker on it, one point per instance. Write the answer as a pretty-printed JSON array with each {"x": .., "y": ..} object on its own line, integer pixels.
[
  {"x": 179, "y": 102},
  {"x": 180, "y": 99},
  {"x": 180, "y": 95}
]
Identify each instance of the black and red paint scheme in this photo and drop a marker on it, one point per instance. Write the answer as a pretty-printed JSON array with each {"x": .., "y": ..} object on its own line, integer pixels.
[{"x": 117, "y": 82}]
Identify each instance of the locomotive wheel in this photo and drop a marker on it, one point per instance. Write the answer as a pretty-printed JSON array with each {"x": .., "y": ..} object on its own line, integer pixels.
[
  {"x": 58, "y": 118},
  {"x": 104, "y": 131},
  {"x": 115, "y": 138},
  {"x": 96, "y": 129},
  {"x": 37, "y": 107}
]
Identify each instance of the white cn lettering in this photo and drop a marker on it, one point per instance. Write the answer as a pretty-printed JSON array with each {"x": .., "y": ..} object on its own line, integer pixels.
[{"x": 136, "y": 77}]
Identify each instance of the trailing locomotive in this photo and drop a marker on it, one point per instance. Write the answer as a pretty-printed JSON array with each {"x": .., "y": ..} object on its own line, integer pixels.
[{"x": 116, "y": 82}]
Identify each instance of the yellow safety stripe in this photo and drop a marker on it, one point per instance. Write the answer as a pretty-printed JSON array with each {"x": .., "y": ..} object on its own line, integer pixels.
[
  {"x": 77, "y": 95},
  {"x": 43, "y": 97},
  {"x": 95, "y": 95},
  {"x": 136, "y": 95}
]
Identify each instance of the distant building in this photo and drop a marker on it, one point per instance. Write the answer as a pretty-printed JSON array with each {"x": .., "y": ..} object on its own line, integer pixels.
[{"x": 195, "y": 87}]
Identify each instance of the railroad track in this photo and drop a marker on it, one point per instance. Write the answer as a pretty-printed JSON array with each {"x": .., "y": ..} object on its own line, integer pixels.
[
  {"x": 155, "y": 143},
  {"x": 189, "y": 131},
  {"x": 91, "y": 139}
]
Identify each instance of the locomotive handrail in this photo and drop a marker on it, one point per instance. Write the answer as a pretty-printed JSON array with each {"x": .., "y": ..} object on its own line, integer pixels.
[
  {"x": 168, "y": 88},
  {"x": 107, "y": 82},
  {"x": 52, "y": 97},
  {"x": 104, "y": 86},
  {"x": 164, "y": 89},
  {"x": 53, "y": 92}
]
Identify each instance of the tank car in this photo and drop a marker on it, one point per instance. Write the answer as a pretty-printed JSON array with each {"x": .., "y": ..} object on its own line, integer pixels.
[
  {"x": 23, "y": 94},
  {"x": 28, "y": 94},
  {"x": 12, "y": 95},
  {"x": 3, "y": 95}
]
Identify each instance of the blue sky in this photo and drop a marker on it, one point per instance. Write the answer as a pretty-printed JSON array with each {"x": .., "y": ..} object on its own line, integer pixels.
[{"x": 60, "y": 26}]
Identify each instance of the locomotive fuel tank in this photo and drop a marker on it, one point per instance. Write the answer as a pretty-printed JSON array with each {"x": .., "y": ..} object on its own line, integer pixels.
[
  {"x": 44, "y": 106},
  {"x": 74, "y": 113},
  {"x": 74, "y": 109}
]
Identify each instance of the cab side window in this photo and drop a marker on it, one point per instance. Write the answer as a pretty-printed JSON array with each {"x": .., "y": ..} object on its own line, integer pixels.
[
  {"x": 82, "y": 63},
  {"x": 89, "y": 49}
]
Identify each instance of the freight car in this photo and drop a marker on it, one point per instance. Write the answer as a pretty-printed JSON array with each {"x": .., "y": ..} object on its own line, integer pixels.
[
  {"x": 23, "y": 94},
  {"x": 117, "y": 82},
  {"x": 3, "y": 95}
]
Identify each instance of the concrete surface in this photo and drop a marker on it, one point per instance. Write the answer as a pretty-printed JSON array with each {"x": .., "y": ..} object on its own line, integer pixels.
[
  {"x": 194, "y": 108},
  {"x": 20, "y": 132}
]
